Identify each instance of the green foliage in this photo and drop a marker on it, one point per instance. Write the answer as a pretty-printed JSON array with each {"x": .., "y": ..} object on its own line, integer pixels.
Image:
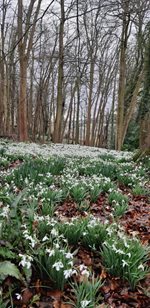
[
  {"x": 35, "y": 171},
  {"x": 72, "y": 231},
  {"x": 87, "y": 293},
  {"x": 94, "y": 235},
  {"x": 117, "y": 198},
  {"x": 145, "y": 94},
  {"x": 99, "y": 168},
  {"x": 131, "y": 141},
  {"x": 95, "y": 192},
  {"x": 119, "y": 202},
  {"x": 125, "y": 258},
  {"x": 53, "y": 264},
  {"x": 120, "y": 209},
  {"x": 48, "y": 209},
  {"x": 9, "y": 269},
  {"x": 7, "y": 253},
  {"x": 139, "y": 190},
  {"x": 78, "y": 193},
  {"x": 107, "y": 186},
  {"x": 127, "y": 179}
]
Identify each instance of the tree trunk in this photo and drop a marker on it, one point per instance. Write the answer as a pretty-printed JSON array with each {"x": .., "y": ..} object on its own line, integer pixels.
[
  {"x": 145, "y": 133},
  {"x": 88, "y": 121},
  {"x": 122, "y": 77},
  {"x": 59, "y": 112},
  {"x": 22, "y": 105}
]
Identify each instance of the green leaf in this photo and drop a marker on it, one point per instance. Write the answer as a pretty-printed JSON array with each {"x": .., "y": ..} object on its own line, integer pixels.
[{"x": 9, "y": 269}]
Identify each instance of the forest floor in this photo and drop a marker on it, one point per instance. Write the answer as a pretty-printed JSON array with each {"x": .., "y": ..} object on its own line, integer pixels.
[{"x": 74, "y": 227}]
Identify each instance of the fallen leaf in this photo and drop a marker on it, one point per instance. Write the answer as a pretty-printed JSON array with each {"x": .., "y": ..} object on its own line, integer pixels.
[
  {"x": 55, "y": 294},
  {"x": 37, "y": 286},
  {"x": 63, "y": 305},
  {"x": 26, "y": 296},
  {"x": 57, "y": 304},
  {"x": 103, "y": 274},
  {"x": 85, "y": 256}
]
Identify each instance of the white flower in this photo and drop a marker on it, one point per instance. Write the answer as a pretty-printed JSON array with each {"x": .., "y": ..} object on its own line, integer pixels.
[
  {"x": 129, "y": 254},
  {"x": 18, "y": 296},
  {"x": 70, "y": 263},
  {"x": 5, "y": 211},
  {"x": 26, "y": 181},
  {"x": 82, "y": 267},
  {"x": 56, "y": 245},
  {"x": 121, "y": 252},
  {"x": 69, "y": 255},
  {"x": 45, "y": 238},
  {"x": 54, "y": 232},
  {"x": 26, "y": 261},
  {"x": 109, "y": 231},
  {"x": 84, "y": 233},
  {"x": 58, "y": 265},
  {"x": 84, "y": 303},
  {"x": 141, "y": 266},
  {"x": 68, "y": 273},
  {"x": 124, "y": 263},
  {"x": 84, "y": 271},
  {"x": 51, "y": 252},
  {"x": 125, "y": 243},
  {"x": 114, "y": 248}
]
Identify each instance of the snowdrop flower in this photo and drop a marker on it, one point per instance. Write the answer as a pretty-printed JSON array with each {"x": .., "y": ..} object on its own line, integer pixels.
[
  {"x": 141, "y": 266},
  {"x": 5, "y": 211},
  {"x": 84, "y": 303},
  {"x": 69, "y": 255},
  {"x": 84, "y": 271},
  {"x": 106, "y": 222},
  {"x": 68, "y": 273},
  {"x": 26, "y": 181},
  {"x": 56, "y": 245},
  {"x": 33, "y": 241},
  {"x": 129, "y": 254},
  {"x": 84, "y": 233},
  {"x": 121, "y": 252},
  {"x": 51, "y": 252},
  {"x": 30, "y": 238},
  {"x": 124, "y": 263},
  {"x": 58, "y": 265},
  {"x": 70, "y": 263},
  {"x": 114, "y": 248},
  {"x": 120, "y": 234},
  {"x": 26, "y": 260},
  {"x": 18, "y": 296},
  {"x": 54, "y": 232},
  {"x": 45, "y": 238},
  {"x": 125, "y": 243},
  {"x": 109, "y": 231}
]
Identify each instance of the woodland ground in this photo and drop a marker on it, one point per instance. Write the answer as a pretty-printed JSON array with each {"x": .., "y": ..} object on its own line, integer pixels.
[{"x": 74, "y": 227}]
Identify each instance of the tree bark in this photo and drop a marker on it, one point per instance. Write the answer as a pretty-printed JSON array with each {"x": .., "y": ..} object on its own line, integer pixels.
[{"x": 59, "y": 112}]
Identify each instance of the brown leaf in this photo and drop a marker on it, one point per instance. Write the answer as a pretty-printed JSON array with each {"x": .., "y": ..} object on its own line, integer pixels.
[
  {"x": 37, "y": 286},
  {"x": 55, "y": 294},
  {"x": 105, "y": 289},
  {"x": 114, "y": 285},
  {"x": 63, "y": 305},
  {"x": 26, "y": 296},
  {"x": 103, "y": 274},
  {"x": 57, "y": 304},
  {"x": 86, "y": 259}
]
